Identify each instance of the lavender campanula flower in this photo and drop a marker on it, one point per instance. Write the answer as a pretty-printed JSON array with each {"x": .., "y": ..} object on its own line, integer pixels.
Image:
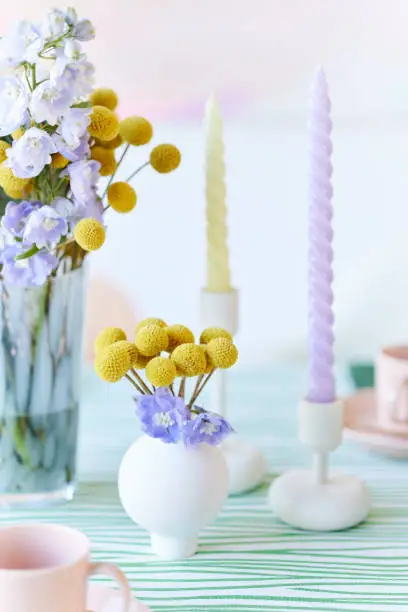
[
  {"x": 70, "y": 210},
  {"x": 206, "y": 427},
  {"x": 56, "y": 24},
  {"x": 30, "y": 153},
  {"x": 83, "y": 30},
  {"x": 32, "y": 270},
  {"x": 84, "y": 176},
  {"x": 23, "y": 44},
  {"x": 13, "y": 104},
  {"x": 73, "y": 76},
  {"x": 45, "y": 228},
  {"x": 50, "y": 100},
  {"x": 79, "y": 153},
  {"x": 162, "y": 415},
  {"x": 73, "y": 125},
  {"x": 16, "y": 215},
  {"x": 94, "y": 208}
]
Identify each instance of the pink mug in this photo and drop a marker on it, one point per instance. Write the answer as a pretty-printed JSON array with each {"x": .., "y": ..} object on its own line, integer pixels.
[
  {"x": 392, "y": 389},
  {"x": 45, "y": 568}
]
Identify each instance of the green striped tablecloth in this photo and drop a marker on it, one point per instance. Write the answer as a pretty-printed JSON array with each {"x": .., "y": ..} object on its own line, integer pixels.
[{"x": 248, "y": 560}]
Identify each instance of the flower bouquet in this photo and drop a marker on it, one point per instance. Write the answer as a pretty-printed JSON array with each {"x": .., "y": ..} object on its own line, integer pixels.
[
  {"x": 173, "y": 480},
  {"x": 58, "y": 137}
]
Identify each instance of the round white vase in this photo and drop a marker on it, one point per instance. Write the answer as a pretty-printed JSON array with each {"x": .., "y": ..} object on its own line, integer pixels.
[{"x": 173, "y": 491}]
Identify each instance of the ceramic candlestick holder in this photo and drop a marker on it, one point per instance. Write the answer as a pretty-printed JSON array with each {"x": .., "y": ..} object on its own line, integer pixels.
[
  {"x": 246, "y": 464},
  {"x": 315, "y": 499}
]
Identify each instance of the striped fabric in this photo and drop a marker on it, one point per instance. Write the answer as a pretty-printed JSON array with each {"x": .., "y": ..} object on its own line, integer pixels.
[{"x": 247, "y": 560}]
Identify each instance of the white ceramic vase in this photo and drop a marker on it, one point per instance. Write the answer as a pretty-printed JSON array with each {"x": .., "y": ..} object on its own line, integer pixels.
[{"x": 173, "y": 491}]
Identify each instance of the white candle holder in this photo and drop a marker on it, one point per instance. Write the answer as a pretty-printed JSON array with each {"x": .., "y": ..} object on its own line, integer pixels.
[
  {"x": 314, "y": 499},
  {"x": 246, "y": 464}
]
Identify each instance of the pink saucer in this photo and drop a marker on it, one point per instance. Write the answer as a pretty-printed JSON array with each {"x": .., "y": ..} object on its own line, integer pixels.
[
  {"x": 360, "y": 426},
  {"x": 105, "y": 599}
]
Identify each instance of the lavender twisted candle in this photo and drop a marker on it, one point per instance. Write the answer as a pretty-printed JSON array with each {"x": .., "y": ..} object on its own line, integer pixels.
[{"x": 321, "y": 337}]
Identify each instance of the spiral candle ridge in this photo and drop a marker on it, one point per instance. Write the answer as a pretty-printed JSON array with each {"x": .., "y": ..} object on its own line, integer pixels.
[
  {"x": 321, "y": 337},
  {"x": 218, "y": 272}
]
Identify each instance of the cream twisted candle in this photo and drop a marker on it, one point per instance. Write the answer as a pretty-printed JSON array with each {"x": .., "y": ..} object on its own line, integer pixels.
[
  {"x": 321, "y": 337},
  {"x": 218, "y": 272}
]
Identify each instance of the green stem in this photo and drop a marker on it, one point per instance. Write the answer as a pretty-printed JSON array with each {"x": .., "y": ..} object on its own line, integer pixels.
[
  {"x": 198, "y": 392},
  {"x": 34, "y": 75},
  {"x": 33, "y": 251},
  {"x": 114, "y": 174},
  {"x": 137, "y": 171},
  {"x": 130, "y": 379}
]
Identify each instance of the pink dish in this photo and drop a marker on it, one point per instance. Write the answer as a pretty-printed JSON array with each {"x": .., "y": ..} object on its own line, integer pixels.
[
  {"x": 361, "y": 426},
  {"x": 105, "y": 599}
]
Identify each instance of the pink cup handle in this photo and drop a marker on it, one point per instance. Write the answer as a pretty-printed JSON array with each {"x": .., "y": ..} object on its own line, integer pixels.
[{"x": 107, "y": 569}]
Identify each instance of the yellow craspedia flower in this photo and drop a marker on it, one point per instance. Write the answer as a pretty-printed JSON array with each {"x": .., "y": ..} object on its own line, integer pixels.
[
  {"x": 165, "y": 158},
  {"x": 161, "y": 371},
  {"x": 222, "y": 353},
  {"x": 11, "y": 183},
  {"x": 18, "y": 133},
  {"x": 104, "y": 124},
  {"x": 140, "y": 361},
  {"x": 19, "y": 194},
  {"x": 151, "y": 339},
  {"x": 209, "y": 333},
  {"x": 110, "y": 144},
  {"x": 151, "y": 321},
  {"x": 108, "y": 336},
  {"x": 178, "y": 334},
  {"x": 122, "y": 197},
  {"x": 209, "y": 367},
  {"x": 112, "y": 363},
  {"x": 131, "y": 349},
  {"x": 106, "y": 158},
  {"x": 136, "y": 131},
  {"x": 3, "y": 148},
  {"x": 104, "y": 96},
  {"x": 189, "y": 359},
  {"x": 89, "y": 234},
  {"x": 59, "y": 161}
]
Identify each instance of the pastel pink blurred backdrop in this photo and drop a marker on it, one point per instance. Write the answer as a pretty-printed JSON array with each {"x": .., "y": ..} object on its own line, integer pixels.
[{"x": 164, "y": 58}]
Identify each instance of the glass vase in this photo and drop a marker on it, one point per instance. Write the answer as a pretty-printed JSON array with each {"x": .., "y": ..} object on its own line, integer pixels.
[{"x": 40, "y": 366}]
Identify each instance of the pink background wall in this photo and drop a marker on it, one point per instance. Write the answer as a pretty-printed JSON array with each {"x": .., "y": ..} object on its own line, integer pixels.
[{"x": 164, "y": 57}]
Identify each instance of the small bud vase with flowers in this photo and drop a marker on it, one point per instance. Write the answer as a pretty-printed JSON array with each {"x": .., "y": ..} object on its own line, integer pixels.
[{"x": 173, "y": 480}]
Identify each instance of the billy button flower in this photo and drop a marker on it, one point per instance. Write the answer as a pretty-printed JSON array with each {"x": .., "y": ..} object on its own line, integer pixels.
[
  {"x": 13, "y": 185},
  {"x": 108, "y": 336},
  {"x": 189, "y": 359},
  {"x": 165, "y": 158},
  {"x": 178, "y": 334},
  {"x": 112, "y": 363},
  {"x": 3, "y": 148},
  {"x": 89, "y": 234},
  {"x": 110, "y": 144},
  {"x": 161, "y": 372},
  {"x": 131, "y": 349},
  {"x": 209, "y": 367},
  {"x": 104, "y": 124},
  {"x": 104, "y": 96},
  {"x": 121, "y": 197},
  {"x": 222, "y": 353},
  {"x": 136, "y": 131},
  {"x": 140, "y": 361},
  {"x": 210, "y": 333},
  {"x": 151, "y": 339},
  {"x": 106, "y": 158},
  {"x": 59, "y": 161},
  {"x": 18, "y": 133},
  {"x": 151, "y": 321}
]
